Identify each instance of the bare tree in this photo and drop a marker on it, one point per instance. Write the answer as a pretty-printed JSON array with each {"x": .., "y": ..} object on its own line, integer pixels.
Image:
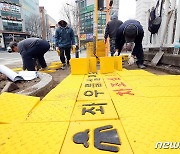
[
  {"x": 33, "y": 25},
  {"x": 66, "y": 13},
  {"x": 70, "y": 14}
]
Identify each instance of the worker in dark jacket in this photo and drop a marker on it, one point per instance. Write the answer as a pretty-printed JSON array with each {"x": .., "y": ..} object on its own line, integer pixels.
[
  {"x": 131, "y": 31},
  {"x": 64, "y": 39},
  {"x": 111, "y": 29},
  {"x": 31, "y": 49}
]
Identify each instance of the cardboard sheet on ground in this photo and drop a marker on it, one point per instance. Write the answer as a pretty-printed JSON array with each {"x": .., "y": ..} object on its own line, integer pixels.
[{"x": 13, "y": 76}]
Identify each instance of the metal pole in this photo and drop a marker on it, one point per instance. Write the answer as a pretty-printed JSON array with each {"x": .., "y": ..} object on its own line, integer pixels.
[
  {"x": 177, "y": 33},
  {"x": 78, "y": 30},
  {"x": 107, "y": 20},
  {"x": 95, "y": 29}
]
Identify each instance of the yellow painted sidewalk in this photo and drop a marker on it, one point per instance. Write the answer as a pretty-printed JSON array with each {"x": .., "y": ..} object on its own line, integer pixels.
[{"x": 128, "y": 111}]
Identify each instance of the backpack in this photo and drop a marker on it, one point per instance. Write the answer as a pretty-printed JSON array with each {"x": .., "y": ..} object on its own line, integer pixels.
[{"x": 154, "y": 22}]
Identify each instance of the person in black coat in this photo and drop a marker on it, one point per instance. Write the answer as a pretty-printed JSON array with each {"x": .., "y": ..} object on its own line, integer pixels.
[
  {"x": 131, "y": 32},
  {"x": 111, "y": 29},
  {"x": 31, "y": 49}
]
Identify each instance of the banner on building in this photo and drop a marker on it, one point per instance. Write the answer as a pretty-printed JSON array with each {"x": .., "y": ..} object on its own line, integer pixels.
[
  {"x": 9, "y": 7},
  {"x": 89, "y": 37},
  {"x": 83, "y": 37}
]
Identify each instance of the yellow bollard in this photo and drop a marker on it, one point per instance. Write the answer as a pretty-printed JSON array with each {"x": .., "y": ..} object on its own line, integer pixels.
[{"x": 73, "y": 49}]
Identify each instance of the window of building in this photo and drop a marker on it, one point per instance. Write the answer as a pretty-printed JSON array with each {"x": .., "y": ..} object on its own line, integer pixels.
[{"x": 12, "y": 26}]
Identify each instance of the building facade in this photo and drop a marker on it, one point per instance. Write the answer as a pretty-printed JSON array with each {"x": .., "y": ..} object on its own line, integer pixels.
[
  {"x": 11, "y": 22},
  {"x": 86, "y": 8},
  {"x": 87, "y": 20},
  {"x": 20, "y": 19},
  {"x": 31, "y": 16}
]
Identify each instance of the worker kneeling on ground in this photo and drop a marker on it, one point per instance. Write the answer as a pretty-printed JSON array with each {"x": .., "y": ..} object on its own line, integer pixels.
[
  {"x": 31, "y": 49},
  {"x": 131, "y": 34}
]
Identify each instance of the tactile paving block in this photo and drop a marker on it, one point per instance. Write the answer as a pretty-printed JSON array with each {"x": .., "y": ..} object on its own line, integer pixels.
[
  {"x": 5, "y": 133},
  {"x": 56, "y": 66},
  {"x": 15, "y": 107},
  {"x": 142, "y": 106},
  {"x": 145, "y": 132},
  {"x": 93, "y": 81},
  {"x": 55, "y": 63},
  {"x": 160, "y": 91},
  {"x": 166, "y": 106},
  {"x": 94, "y": 110},
  {"x": 108, "y": 131},
  {"x": 17, "y": 69},
  {"x": 67, "y": 89},
  {"x": 93, "y": 94},
  {"x": 134, "y": 107},
  {"x": 140, "y": 81},
  {"x": 115, "y": 82},
  {"x": 161, "y": 80},
  {"x": 93, "y": 77},
  {"x": 48, "y": 111},
  {"x": 35, "y": 138},
  {"x": 134, "y": 73},
  {"x": 48, "y": 71},
  {"x": 63, "y": 93}
]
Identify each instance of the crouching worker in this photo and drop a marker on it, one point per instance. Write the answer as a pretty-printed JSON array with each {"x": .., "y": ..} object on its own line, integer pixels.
[
  {"x": 131, "y": 34},
  {"x": 31, "y": 49}
]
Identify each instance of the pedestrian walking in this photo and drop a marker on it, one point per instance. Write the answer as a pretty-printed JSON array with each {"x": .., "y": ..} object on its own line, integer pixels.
[
  {"x": 131, "y": 34},
  {"x": 64, "y": 39},
  {"x": 31, "y": 49},
  {"x": 111, "y": 29}
]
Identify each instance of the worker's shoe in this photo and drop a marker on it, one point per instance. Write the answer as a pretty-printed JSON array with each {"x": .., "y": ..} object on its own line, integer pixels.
[
  {"x": 44, "y": 69},
  {"x": 68, "y": 63},
  {"x": 141, "y": 66},
  {"x": 63, "y": 66}
]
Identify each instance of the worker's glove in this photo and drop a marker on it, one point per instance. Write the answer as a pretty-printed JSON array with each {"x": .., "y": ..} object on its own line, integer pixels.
[
  {"x": 131, "y": 59},
  {"x": 105, "y": 41},
  {"x": 73, "y": 48},
  {"x": 57, "y": 48},
  {"x": 116, "y": 53},
  {"x": 58, "y": 51}
]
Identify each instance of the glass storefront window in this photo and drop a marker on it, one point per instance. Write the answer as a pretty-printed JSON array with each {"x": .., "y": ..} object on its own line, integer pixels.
[
  {"x": 13, "y": 1},
  {"x": 11, "y": 26}
]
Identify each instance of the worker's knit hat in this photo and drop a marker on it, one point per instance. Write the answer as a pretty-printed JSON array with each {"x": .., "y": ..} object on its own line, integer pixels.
[{"x": 130, "y": 33}]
